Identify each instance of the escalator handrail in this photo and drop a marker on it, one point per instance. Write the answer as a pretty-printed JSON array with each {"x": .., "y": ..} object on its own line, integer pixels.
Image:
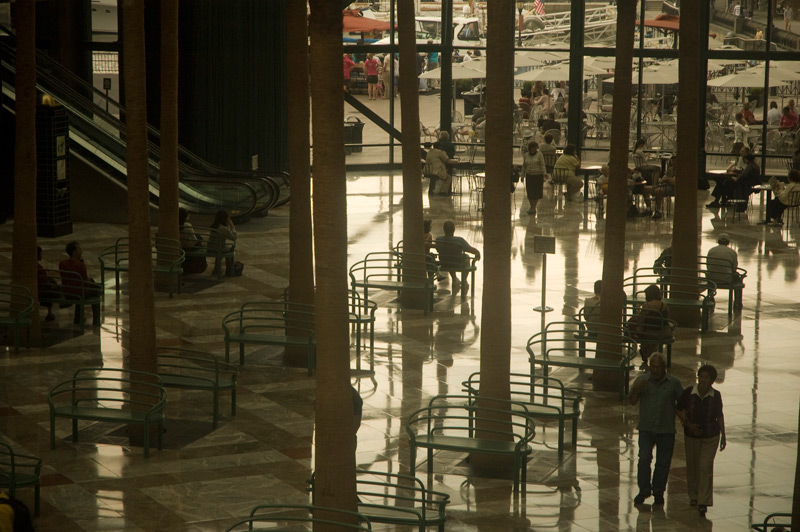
[{"x": 189, "y": 169}]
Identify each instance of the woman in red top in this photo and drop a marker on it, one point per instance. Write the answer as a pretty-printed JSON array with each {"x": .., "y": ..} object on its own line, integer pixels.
[{"x": 371, "y": 69}]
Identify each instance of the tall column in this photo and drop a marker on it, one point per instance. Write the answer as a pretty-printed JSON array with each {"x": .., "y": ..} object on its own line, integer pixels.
[
  {"x": 334, "y": 444},
  {"x": 612, "y": 297},
  {"x": 691, "y": 93}
]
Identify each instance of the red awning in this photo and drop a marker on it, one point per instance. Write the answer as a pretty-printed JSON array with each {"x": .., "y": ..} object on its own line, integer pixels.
[
  {"x": 663, "y": 22},
  {"x": 360, "y": 24}
]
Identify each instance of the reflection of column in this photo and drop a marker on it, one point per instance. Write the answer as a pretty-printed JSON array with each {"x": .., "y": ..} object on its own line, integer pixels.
[
  {"x": 412, "y": 360},
  {"x": 569, "y": 247},
  {"x": 532, "y": 261},
  {"x": 606, "y": 445}
]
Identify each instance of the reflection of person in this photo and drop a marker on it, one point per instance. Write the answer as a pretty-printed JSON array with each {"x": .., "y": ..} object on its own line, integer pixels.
[
  {"x": 700, "y": 412},
  {"x": 534, "y": 169},
  {"x": 656, "y": 393}
]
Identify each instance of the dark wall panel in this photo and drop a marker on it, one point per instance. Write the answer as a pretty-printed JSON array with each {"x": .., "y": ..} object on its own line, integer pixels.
[{"x": 233, "y": 81}]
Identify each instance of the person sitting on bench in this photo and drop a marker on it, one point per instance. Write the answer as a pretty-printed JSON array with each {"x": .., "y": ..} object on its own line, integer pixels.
[{"x": 451, "y": 250}]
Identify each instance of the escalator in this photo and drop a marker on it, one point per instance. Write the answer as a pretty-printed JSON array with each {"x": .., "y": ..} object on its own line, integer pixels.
[{"x": 97, "y": 139}]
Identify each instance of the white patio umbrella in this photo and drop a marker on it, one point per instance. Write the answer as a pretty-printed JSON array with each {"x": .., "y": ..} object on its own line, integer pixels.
[
  {"x": 559, "y": 72},
  {"x": 743, "y": 80},
  {"x": 460, "y": 71},
  {"x": 653, "y": 76},
  {"x": 524, "y": 59},
  {"x": 781, "y": 71},
  {"x": 606, "y": 63}
]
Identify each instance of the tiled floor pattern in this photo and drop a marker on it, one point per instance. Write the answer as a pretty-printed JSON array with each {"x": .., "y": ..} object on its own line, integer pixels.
[{"x": 205, "y": 478}]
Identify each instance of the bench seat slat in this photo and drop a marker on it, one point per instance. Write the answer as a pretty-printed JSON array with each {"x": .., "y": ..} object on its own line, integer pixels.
[{"x": 458, "y": 443}]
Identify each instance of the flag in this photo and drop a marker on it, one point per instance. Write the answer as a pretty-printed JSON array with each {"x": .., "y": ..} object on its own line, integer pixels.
[{"x": 538, "y": 7}]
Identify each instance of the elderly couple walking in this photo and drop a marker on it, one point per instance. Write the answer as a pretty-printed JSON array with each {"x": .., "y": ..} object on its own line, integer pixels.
[{"x": 661, "y": 397}]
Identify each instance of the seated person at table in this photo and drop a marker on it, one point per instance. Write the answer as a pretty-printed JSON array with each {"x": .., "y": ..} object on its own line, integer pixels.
[
  {"x": 722, "y": 187},
  {"x": 549, "y": 123},
  {"x": 74, "y": 287},
  {"x": 525, "y": 97},
  {"x": 547, "y": 103},
  {"x": 451, "y": 250},
  {"x": 437, "y": 163},
  {"x": 664, "y": 187},
  {"x": 547, "y": 146},
  {"x": 602, "y": 183},
  {"x": 640, "y": 160},
  {"x": 748, "y": 115},
  {"x": 773, "y": 115},
  {"x": 788, "y": 119},
  {"x": 570, "y": 162},
  {"x": 737, "y": 165},
  {"x": 741, "y": 186},
  {"x": 640, "y": 186},
  {"x": 479, "y": 114},
  {"x": 448, "y": 147},
  {"x": 783, "y": 195}
]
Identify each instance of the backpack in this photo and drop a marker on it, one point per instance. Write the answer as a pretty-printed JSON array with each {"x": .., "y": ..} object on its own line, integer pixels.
[{"x": 22, "y": 516}]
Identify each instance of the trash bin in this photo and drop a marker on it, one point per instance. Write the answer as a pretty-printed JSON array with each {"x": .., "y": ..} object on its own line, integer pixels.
[{"x": 353, "y": 133}]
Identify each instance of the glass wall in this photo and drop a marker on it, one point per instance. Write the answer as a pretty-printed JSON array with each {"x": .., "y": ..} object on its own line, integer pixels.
[{"x": 739, "y": 80}]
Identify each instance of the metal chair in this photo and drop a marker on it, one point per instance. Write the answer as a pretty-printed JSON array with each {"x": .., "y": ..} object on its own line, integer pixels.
[
  {"x": 559, "y": 180},
  {"x": 556, "y": 135},
  {"x": 20, "y": 471},
  {"x": 793, "y": 208}
]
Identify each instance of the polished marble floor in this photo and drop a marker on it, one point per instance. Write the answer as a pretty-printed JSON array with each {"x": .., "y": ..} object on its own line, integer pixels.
[{"x": 203, "y": 478}]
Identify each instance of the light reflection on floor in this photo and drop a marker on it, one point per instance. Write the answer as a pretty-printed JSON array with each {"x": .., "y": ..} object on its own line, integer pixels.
[{"x": 204, "y": 478}]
